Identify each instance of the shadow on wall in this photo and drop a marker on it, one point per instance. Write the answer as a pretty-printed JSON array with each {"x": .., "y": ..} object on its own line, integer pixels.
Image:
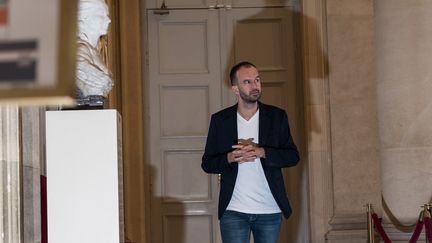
[{"x": 168, "y": 221}]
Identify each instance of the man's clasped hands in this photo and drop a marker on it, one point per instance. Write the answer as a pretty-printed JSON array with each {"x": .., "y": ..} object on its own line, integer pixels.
[{"x": 245, "y": 151}]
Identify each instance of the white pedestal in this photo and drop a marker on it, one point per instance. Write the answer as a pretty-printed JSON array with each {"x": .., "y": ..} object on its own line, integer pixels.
[{"x": 84, "y": 176}]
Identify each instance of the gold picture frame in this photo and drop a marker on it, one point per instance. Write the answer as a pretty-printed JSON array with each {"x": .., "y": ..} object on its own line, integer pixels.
[{"x": 52, "y": 79}]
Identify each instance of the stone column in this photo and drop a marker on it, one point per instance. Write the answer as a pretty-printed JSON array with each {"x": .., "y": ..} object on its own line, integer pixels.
[
  {"x": 404, "y": 74},
  {"x": 9, "y": 175}
]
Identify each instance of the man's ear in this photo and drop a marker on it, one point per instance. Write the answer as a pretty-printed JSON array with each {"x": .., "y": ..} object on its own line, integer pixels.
[{"x": 235, "y": 89}]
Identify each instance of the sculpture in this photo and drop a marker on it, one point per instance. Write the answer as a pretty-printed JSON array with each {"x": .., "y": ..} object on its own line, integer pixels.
[{"x": 93, "y": 78}]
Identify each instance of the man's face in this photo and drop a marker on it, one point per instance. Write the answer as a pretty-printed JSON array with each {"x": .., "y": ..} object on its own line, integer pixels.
[{"x": 248, "y": 86}]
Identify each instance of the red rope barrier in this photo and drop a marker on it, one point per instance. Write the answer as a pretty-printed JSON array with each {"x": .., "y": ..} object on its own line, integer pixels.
[
  {"x": 44, "y": 209},
  {"x": 417, "y": 231},
  {"x": 428, "y": 226},
  {"x": 427, "y": 222},
  {"x": 380, "y": 229}
]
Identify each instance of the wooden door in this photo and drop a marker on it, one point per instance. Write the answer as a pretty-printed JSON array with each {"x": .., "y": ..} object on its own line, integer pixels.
[
  {"x": 266, "y": 37},
  {"x": 184, "y": 90},
  {"x": 190, "y": 54}
]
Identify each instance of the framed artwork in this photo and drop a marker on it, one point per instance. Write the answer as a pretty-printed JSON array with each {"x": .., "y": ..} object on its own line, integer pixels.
[{"x": 37, "y": 51}]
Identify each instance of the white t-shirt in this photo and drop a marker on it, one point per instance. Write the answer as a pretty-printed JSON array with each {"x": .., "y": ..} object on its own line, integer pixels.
[{"x": 251, "y": 192}]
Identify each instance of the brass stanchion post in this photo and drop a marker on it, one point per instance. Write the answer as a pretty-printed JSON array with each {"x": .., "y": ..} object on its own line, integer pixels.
[
  {"x": 426, "y": 213},
  {"x": 370, "y": 229}
]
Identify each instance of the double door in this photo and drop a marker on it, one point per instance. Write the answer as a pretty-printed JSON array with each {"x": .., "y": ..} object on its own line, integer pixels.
[{"x": 190, "y": 52}]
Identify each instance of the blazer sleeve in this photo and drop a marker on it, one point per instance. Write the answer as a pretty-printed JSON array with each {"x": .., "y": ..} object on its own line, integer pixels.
[
  {"x": 215, "y": 159},
  {"x": 282, "y": 153}
]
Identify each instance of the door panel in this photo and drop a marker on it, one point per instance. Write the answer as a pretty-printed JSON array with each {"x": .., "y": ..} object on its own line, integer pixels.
[
  {"x": 184, "y": 89},
  {"x": 178, "y": 104},
  {"x": 174, "y": 226}
]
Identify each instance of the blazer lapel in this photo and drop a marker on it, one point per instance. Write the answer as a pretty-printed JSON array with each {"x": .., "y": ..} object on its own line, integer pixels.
[
  {"x": 231, "y": 121},
  {"x": 264, "y": 124}
]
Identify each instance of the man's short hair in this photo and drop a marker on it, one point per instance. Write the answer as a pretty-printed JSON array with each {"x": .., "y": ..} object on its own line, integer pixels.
[{"x": 233, "y": 72}]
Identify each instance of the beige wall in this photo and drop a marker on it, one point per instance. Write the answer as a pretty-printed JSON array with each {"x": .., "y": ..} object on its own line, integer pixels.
[{"x": 352, "y": 94}]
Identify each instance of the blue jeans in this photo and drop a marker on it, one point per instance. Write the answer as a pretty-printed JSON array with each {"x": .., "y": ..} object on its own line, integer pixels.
[{"x": 236, "y": 227}]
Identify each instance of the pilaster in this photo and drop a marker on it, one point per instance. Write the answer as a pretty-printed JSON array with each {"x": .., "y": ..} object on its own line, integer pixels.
[{"x": 10, "y": 201}]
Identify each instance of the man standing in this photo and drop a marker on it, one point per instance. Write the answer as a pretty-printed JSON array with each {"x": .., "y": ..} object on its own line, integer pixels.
[{"x": 248, "y": 144}]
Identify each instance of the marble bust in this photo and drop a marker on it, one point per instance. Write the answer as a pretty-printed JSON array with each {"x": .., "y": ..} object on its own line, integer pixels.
[{"x": 93, "y": 78}]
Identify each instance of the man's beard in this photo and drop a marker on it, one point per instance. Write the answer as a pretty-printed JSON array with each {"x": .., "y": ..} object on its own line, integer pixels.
[{"x": 250, "y": 99}]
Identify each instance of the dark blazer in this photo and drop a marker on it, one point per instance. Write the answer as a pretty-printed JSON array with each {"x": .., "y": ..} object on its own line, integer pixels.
[{"x": 274, "y": 137}]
